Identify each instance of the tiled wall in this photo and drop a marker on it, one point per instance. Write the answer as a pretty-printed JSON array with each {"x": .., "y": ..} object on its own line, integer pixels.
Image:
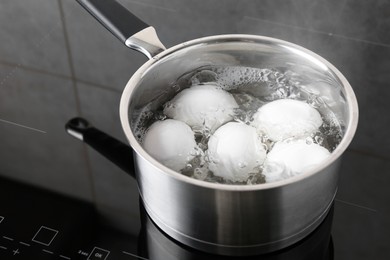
[{"x": 57, "y": 62}]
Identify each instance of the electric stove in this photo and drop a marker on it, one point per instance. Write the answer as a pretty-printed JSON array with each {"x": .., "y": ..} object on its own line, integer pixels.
[{"x": 39, "y": 224}]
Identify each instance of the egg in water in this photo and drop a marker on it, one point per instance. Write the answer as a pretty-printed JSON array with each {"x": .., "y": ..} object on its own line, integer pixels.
[
  {"x": 235, "y": 150},
  {"x": 171, "y": 142},
  {"x": 293, "y": 157},
  {"x": 286, "y": 118},
  {"x": 202, "y": 107}
]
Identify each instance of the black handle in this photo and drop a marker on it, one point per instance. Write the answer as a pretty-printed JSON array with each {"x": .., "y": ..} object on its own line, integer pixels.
[
  {"x": 111, "y": 148},
  {"x": 115, "y": 17}
]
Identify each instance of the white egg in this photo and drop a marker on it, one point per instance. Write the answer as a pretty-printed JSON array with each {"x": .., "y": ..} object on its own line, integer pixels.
[
  {"x": 287, "y": 159},
  {"x": 171, "y": 142},
  {"x": 202, "y": 106},
  {"x": 234, "y": 151},
  {"x": 285, "y": 118}
]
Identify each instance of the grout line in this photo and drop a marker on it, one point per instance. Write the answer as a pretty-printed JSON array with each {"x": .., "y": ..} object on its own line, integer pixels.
[
  {"x": 361, "y": 40},
  {"x": 69, "y": 56},
  {"x": 10, "y": 74},
  {"x": 344, "y": 4},
  {"x": 356, "y": 205},
  {"x": 23, "y": 126},
  {"x": 99, "y": 86},
  {"x": 36, "y": 44},
  {"x": 76, "y": 96},
  {"x": 319, "y": 32},
  {"x": 62, "y": 76},
  {"x": 23, "y": 67}
]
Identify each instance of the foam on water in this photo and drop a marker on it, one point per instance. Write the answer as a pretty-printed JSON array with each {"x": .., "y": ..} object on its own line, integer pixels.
[{"x": 251, "y": 88}]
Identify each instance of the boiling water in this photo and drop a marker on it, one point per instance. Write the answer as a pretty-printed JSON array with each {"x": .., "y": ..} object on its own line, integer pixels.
[{"x": 251, "y": 88}]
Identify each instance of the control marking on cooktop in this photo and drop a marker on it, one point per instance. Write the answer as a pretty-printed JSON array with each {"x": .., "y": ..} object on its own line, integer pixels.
[
  {"x": 3, "y": 247},
  {"x": 98, "y": 253},
  {"x": 45, "y": 236},
  {"x": 47, "y": 251},
  {"x": 16, "y": 251},
  {"x": 133, "y": 255},
  {"x": 1, "y": 219},
  {"x": 23, "y": 243},
  {"x": 8, "y": 238},
  {"x": 65, "y": 257}
]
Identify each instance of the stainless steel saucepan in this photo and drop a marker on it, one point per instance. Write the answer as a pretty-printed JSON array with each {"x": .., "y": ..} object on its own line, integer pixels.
[{"x": 220, "y": 218}]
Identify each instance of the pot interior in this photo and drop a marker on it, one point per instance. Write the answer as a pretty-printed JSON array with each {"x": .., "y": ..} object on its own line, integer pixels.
[{"x": 155, "y": 82}]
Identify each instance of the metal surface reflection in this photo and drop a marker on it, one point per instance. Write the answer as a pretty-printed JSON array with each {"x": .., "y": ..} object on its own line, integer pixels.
[{"x": 154, "y": 244}]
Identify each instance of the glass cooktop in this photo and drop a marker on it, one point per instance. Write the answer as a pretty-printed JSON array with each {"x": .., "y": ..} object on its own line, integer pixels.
[{"x": 38, "y": 224}]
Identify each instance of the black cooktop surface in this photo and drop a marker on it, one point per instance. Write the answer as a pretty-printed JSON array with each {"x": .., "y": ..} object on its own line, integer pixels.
[{"x": 37, "y": 224}]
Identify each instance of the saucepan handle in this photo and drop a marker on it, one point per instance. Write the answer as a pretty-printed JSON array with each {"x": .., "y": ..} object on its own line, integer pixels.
[
  {"x": 128, "y": 28},
  {"x": 111, "y": 148}
]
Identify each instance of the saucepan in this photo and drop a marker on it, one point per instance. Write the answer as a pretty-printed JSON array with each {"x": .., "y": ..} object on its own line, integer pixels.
[
  {"x": 227, "y": 219},
  {"x": 154, "y": 244}
]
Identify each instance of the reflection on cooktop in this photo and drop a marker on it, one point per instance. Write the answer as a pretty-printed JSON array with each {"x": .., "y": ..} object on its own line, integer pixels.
[{"x": 37, "y": 224}]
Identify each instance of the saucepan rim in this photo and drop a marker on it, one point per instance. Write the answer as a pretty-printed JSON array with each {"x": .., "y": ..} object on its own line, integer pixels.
[{"x": 221, "y": 39}]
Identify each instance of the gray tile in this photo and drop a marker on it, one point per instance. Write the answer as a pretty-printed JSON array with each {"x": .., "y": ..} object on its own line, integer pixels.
[
  {"x": 113, "y": 187},
  {"x": 195, "y": 19},
  {"x": 178, "y": 21},
  {"x": 320, "y": 15},
  {"x": 276, "y": 11},
  {"x": 159, "y": 4},
  {"x": 47, "y": 156},
  {"x": 101, "y": 107},
  {"x": 31, "y": 34},
  {"x": 313, "y": 41},
  {"x": 365, "y": 20},
  {"x": 366, "y": 67},
  {"x": 98, "y": 57}
]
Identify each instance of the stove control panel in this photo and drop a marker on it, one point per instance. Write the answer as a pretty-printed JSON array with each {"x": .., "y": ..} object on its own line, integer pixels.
[
  {"x": 48, "y": 242},
  {"x": 36, "y": 224}
]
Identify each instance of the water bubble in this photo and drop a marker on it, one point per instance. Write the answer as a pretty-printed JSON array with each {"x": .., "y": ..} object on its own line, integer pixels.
[
  {"x": 169, "y": 105},
  {"x": 204, "y": 76},
  {"x": 319, "y": 139},
  {"x": 242, "y": 165},
  {"x": 176, "y": 87},
  {"x": 201, "y": 174},
  {"x": 309, "y": 140},
  {"x": 160, "y": 116}
]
